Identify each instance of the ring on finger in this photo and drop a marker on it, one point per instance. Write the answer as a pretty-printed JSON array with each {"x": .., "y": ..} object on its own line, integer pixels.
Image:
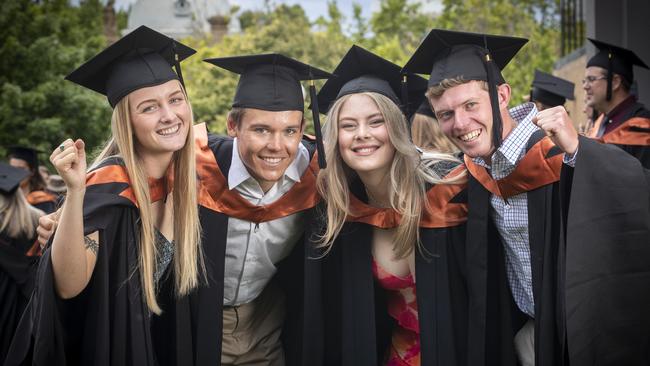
[{"x": 62, "y": 147}]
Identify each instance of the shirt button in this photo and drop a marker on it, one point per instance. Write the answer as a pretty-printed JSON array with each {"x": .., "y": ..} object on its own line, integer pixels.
[{"x": 507, "y": 207}]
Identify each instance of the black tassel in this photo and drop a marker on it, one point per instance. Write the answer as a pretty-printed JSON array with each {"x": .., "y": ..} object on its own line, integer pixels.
[
  {"x": 497, "y": 125},
  {"x": 610, "y": 75},
  {"x": 177, "y": 65},
  {"x": 317, "y": 131},
  {"x": 405, "y": 99}
]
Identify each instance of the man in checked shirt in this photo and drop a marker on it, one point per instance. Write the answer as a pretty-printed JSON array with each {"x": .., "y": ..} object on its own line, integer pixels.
[{"x": 558, "y": 225}]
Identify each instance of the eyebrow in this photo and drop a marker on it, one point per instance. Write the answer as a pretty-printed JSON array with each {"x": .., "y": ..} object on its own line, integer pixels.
[
  {"x": 473, "y": 99},
  {"x": 355, "y": 119},
  {"x": 268, "y": 126},
  {"x": 154, "y": 99}
]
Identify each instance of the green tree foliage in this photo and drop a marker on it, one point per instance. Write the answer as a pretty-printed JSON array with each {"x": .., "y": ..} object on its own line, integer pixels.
[
  {"x": 40, "y": 43},
  {"x": 286, "y": 29}
]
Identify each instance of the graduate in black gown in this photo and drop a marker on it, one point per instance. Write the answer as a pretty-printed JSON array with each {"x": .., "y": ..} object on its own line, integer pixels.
[
  {"x": 125, "y": 229},
  {"x": 18, "y": 252},
  {"x": 608, "y": 81},
  {"x": 33, "y": 185},
  {"x": 255, "y": 186},
  {"x": 550, "y": 91},
  {"x": 558, "y": 224},
  {"x": 391, "y": 250}
]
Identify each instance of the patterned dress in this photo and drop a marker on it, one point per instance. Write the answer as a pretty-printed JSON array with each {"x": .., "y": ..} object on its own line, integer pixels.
[{"x": 403, "y": 307}]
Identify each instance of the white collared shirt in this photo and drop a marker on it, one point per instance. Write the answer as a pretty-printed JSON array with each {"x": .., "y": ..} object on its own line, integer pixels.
[{"x": 253, "y": 250}]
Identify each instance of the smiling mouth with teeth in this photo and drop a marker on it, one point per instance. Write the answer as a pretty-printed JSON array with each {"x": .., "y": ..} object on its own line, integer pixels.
[
  {"x": 365, "y": 150},
  {"x": 272, "y": 160},
  {"x": 471, "y": 136},
  {"x": 169, "y": 131}
]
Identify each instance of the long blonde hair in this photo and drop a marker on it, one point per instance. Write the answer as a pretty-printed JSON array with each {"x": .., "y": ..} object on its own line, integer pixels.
[
  {"x": 17, "y": 217},
  {"x": 188, "y": 261},
  {"x": 426, "y": 134},
  {"x": 409, "y": 174}
]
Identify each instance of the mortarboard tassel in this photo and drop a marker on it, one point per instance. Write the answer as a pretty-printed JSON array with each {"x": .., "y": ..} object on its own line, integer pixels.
[
  {"x": 405, "y": 99},
  {"x": 610, "y": 75},
  {"x": 497, "y": 125},
  {"x": 177, "y": 64},
  {"x": 317, "y": 131}
]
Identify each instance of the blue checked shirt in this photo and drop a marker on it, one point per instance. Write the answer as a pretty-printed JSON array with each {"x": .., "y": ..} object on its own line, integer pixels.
[{"x": 511, "y": 216}]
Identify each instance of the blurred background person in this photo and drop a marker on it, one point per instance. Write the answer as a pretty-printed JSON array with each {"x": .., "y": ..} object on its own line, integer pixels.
[
  {"x": 426, "y": 133},
  {"x": 33, "y": 185},
  {"x": 549, "y": 91},
  {"x": 18, "y": 253}
]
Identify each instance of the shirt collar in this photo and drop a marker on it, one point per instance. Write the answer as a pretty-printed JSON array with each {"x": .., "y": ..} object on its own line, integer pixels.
[
  {"x": 239, "y": 174},
  {"x": 513, "y": 146},
  {"x": 620, "y": 110}
]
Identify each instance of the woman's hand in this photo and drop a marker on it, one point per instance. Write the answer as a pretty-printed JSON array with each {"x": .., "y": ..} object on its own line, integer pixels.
[{"x": 69, "y": 159}]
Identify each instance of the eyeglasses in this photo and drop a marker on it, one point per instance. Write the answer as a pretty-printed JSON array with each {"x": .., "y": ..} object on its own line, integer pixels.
[{"x": 590, "y": 79}]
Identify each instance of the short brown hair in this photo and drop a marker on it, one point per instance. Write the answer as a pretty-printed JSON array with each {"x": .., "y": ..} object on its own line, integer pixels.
[
  {"x": 236, "y": 115},
  {"x": 439, "y": 89}
]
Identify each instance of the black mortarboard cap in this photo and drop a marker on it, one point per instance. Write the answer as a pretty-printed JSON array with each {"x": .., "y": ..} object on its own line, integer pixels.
[
  {"x": 271, "y": 82},
  {"x": 25, "y": 153},
  {"x": 10, "y": 177},
  {"x": 550, "y": 90},
  {"x": 445, "y": 54},
  {"x": 140, "y": 59},
  {"x": 616, "y": 60},
  {"x": 362, "y": 71}
]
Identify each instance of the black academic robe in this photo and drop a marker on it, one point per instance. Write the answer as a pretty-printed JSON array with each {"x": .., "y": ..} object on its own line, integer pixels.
[
  {"x": 633, "y": 135},
  {"x": 197, "y": 323},
  {"x": 17, "y": 268},
  {"x": 354, "y": 326},
  {"x": 108, "y": 323},
  {"x": 589, "y": 247},
  {"x": 44, "y": 201}
]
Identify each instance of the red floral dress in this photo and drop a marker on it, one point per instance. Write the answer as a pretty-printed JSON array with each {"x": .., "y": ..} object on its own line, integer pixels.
[{"x": 403, "y": 307}]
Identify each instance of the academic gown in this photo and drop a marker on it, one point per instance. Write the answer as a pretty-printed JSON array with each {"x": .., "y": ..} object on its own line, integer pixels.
[
  {"x": 108, "y": 323},
  {"x": 588, "y": 228},
  {"x": 354, "y": 326},
  {"x": 198, "y": 322},
  {"x": 42, "y": 200},
  {"x": 18, "y": 260},
  {"x": 633, "y": 135}
]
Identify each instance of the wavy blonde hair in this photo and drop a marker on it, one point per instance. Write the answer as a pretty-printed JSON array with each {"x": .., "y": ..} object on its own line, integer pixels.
[
  {"x": 409, "y": 173},
  {"x": 17, "y": 217},
  {"x": 426, "y": 134},
  {"x": 189, "y": 266}
]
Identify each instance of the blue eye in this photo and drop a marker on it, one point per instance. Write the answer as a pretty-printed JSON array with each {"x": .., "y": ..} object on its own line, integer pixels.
[{"x": 445, "y": 115}]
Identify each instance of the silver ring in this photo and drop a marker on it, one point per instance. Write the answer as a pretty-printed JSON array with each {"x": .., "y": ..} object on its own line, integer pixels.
[{"x": 61, "y": 147}]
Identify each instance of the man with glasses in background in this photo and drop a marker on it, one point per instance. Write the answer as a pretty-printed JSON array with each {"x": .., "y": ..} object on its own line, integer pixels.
[{"x": 608, "y": 80}]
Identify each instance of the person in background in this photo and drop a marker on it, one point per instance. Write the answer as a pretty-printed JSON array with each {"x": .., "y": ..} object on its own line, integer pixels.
[
  {"x": 33, "y": 186},
  {"x": 549, "y": 91},
  {"x": 18, "y": 252},
  {"x": 426, "y": 133},
  {"x": 608, "y": 82}
]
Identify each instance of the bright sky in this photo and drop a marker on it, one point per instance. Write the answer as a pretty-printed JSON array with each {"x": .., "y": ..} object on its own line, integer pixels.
[{"x": 314, "y": 8}]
